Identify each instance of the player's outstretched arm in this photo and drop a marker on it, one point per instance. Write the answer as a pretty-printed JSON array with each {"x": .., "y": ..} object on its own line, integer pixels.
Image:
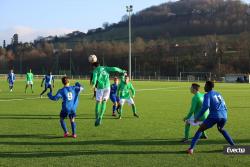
[
  {"x": 56, "y": 97},
  {"x": 192, "y": 109},
  {"x": 115, "y": 69},
  {"x": 132, "y": 90},
  {"x": 78, "y": 87},
  {"x": 94, "y": 79},
  {"x": 42, "y": 82}
]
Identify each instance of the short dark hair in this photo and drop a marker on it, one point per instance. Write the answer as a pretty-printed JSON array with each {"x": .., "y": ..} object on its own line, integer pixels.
[
  {"x": 195, "y": 86},
  {"x": 210, "y": 85},
  {"x": 95, "y": 64},
  {"x": 65, "y": 80}
]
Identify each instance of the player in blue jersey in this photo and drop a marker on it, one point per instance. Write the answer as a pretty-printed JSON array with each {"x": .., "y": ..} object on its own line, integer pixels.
[
  {"x": 217, "y": 115},
  {"x": 49, "y": 82},
  {"x": 69, "y": 95},
  {"x": 113, "y": 96},
  {"x": 11, "y": 79}
]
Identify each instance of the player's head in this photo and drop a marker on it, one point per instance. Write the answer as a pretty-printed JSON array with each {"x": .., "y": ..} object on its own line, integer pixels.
[
  {"x": 116, "y": 80},
  {"x": 209, "y": 86},
  {"x": 11, "y": 70},
  {"x": 95, "y": 64},
  {"x": 30, "y": 70},
  {"x": 127, "y": 79},
  {"x": 65, "y": 81},
  {"x": 50, "y": 73},
  {"x": 194, "y": 88}
]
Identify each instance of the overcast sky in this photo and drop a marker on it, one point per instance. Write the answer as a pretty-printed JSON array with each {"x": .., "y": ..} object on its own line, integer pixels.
[{"x": 33, "y": 18}]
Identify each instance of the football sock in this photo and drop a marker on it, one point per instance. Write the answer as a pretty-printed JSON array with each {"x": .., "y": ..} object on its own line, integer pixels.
[
  {"x": 195, "y": 139},
  {"x": 63, "y": 125},
  {"x": 103, "y": 109},
  {"x": 97, "y": 109},
  {"x": 134, "y": 108},
  {"x": 227, "y": 137},
  {"x": 187, "y": 129},
  {"x": 73, "y": 127},
  {"x": 114, "y": 108}
]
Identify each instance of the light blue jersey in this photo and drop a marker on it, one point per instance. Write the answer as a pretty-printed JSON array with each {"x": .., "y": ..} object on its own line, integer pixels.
[
  {"x": 70, "y": 96},
  {"x": 216, "y": 105},
  {"x": 11, "y": 78}
]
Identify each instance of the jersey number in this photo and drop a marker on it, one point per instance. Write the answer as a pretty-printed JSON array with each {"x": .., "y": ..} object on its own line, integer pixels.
[
  {"x": 218, "y": 98},
  {"x": 70, "y": 96}
]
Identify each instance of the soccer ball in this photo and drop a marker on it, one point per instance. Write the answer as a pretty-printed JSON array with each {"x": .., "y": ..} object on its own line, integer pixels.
[{"x": 92, "y": 58}]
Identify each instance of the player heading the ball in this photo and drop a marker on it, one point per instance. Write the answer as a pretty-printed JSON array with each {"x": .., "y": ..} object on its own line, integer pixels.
[{"x": 101, "y": 76}]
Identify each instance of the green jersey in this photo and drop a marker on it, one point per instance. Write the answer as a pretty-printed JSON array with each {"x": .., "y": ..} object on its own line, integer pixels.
[
  {"x": 101, "y": 76},
  {"x": 29, "y": 76},
  {"x": 124, "y": 89},
  {"x": 196, "y": 105}
]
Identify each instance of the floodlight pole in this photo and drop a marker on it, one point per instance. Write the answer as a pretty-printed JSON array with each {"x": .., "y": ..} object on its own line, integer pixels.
[{"x": 129, "y": 10}]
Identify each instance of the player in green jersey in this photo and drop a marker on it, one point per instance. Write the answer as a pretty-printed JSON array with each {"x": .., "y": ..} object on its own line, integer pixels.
[
  {"x": 101, "y": 77},
  {"x": 195, "y": 108},
  {"x": 123, "y": 91},
  {"x": 29, "y": 81}
]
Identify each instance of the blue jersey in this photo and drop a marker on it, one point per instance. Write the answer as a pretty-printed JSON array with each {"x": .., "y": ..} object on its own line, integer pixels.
[
  {"x": 11, "y": 77},
  {"x": 48, "y": 79},
  {"x": 69, "y": 95},
  {"x": 216, "y": 105},
  {"x": 113, "y": 90}
]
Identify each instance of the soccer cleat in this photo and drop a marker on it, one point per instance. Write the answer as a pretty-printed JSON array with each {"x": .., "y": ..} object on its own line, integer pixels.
[
  {"x": 74, "y": 135},
  {"x": 66, "y": 134},
  {"x": 11, "y": 90},
  {"x": 184, "y": 140},
  {"x": 135, "y": 115},
  {"x": 190, "y": 151},
  {"x": 113, "y": 114},
  {"x": 120, "y": 117}
]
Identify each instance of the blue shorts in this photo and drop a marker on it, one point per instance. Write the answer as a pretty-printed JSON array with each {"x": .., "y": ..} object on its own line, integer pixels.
[
  {"x": 47, "y": 86},
  {"x": 11, "y": 83},
  {"x": 210, "y": 122},
  {"x": 114, "y": 99},
  {"x": 65, "y": 114}
]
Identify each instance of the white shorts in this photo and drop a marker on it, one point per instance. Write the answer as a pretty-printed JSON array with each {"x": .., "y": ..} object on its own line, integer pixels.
[
  {"x": 29, "y": 82},
  {"x": 191, "y": 122},
  {"x": 129, "y": 101},
  {"x": 102, "y": 94}
]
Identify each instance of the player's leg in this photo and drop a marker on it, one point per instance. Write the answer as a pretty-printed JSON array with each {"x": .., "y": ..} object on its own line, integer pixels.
[
  {"x": 106, "y": 93},
  {"x": 26, "y": 86},
  {"x": 45, "y": 89},
  {"x": 122, "y": 102},
  {"x": 31, "y": 87},
  {"x": 73, "y": 124},
  {"x": 187, "y": 129},
  {"x": 220, "y": 127},
  {"x": 132, "y": 103},
  {"x": 99, "y": 98},
  {"x": 63, "y": 115},
  {"x": 204, "y": 135},
  {"x": 208, "y": 123}
]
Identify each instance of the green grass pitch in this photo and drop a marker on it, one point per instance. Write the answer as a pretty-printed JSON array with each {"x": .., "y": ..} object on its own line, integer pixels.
[{"x": 30, "y": 133}]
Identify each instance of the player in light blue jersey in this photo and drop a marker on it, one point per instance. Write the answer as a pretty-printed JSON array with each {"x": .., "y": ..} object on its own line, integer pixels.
[
  {"x": 49, "y": 82},
  {"x": 217, "y": 115},
  {"x": 11, "y": 78},
  {"x": 69, "y": 95},
  {"x": 113, "y": 96}
]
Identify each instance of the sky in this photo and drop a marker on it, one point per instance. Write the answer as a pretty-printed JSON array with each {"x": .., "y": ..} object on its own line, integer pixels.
[{"x": 33, "y": 18}]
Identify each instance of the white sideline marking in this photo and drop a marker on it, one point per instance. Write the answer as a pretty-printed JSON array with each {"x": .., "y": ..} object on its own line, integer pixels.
[{"x": 139, "y": 90}]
